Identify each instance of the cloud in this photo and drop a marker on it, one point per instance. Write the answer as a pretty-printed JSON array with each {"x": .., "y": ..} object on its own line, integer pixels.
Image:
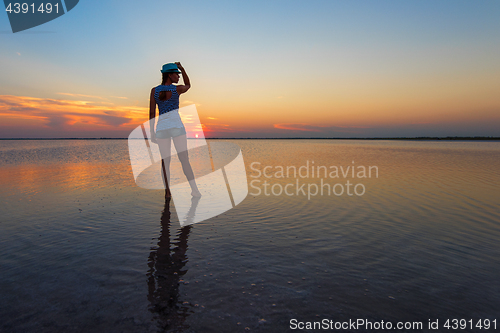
[
  {"x": 65, "y": 115},
  {"x": 188, "y": 102},
  {"x": 289, "y": 129},
  {"x": 81, "y": 95},
  {"x": 299, "y": 127},
  {"x": 315, "y": 130},
  {"x": 217, "y": 129},
  {"x": 304, "y": 127},
  {"x": 56, "y": 122}
]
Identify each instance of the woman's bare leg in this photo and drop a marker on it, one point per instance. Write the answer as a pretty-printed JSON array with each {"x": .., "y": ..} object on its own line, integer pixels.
[
  {"x": 165, "y": 150},
  {"x": 180, "y": 143}
]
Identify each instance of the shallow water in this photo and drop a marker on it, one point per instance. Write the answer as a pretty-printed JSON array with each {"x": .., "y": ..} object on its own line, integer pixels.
[{"x": 83, "y": 249}]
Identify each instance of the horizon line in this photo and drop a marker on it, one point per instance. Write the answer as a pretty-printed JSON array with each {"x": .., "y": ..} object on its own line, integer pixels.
[{"x": 295, "y": 138}]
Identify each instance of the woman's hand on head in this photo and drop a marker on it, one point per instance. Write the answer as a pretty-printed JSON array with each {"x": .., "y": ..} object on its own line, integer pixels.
[{"x": 179, "y": 65}]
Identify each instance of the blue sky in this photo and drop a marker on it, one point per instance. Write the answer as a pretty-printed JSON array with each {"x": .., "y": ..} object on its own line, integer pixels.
[{"x": 386, "y": 66}]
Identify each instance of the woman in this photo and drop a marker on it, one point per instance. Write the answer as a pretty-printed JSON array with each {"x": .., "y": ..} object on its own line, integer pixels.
[{"x": 170, "y": 126}]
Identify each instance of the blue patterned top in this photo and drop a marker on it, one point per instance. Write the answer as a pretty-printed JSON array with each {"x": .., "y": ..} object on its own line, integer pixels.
[{"x": 169, "y": 104}]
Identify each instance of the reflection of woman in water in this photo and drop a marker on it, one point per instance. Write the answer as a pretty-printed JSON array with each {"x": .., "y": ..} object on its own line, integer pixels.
[
  {"x": 170, "y": 126},
  {"x": 166, "y": 269}
]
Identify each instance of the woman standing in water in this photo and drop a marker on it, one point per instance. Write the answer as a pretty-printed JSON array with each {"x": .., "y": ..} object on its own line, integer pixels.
[{"x": 170, "y": 127}]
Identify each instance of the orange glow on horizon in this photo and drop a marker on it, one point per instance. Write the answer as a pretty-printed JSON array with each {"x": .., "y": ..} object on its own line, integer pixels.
[{"x": 66, "y": 118}]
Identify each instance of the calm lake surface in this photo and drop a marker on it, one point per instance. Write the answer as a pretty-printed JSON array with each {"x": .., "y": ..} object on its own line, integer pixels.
[{"x": 84, "y": 249}]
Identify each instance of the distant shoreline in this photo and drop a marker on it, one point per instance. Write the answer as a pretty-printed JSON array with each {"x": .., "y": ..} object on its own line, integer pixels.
[{"x": 448, "y": 138}]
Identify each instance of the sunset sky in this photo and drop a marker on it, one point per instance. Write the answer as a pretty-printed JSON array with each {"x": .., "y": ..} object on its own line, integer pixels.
[{"x": 259, "y": 68}]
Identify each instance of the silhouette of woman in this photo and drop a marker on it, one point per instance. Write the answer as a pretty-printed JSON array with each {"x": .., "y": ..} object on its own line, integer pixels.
[{"x": 170, "y": 127}]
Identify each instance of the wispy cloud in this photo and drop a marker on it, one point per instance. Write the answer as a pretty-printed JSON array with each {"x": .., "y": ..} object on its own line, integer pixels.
[
  {"x": 188, "y": 102},
  {"x": 326, "y": 129},
  {"x": 81, "y": 95},
  {"x": 65, "y": 115},
  {"x": 225, "y": 128},
  {"x": 299, "y": 127}
]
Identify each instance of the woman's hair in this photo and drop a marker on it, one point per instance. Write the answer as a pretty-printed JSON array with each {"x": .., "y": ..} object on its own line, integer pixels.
[
  {"x": 163, "y": 95},
  {"x": 164, "y": 77}
]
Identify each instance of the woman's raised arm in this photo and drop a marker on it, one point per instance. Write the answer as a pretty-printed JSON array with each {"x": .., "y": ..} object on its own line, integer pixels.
[{"x": 187, "y": 84}]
